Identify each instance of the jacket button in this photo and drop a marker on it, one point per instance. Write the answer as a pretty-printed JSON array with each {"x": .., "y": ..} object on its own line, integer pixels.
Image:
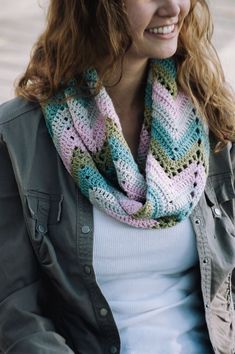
[
  {"x": 86, "y": 229},
  {"x": 217, "y": 212},
  {"x": 198, "y": 221},
  {"x": 41, "y": 229},
  {"x": 87, "y": 269},
  {"x": 205, "y": 260},
  {"x": 103, "y": 312},
  {"x": 113, "y": 349}
]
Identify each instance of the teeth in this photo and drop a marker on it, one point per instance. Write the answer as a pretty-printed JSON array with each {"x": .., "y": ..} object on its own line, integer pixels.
[{"x": 162, "y": 30}]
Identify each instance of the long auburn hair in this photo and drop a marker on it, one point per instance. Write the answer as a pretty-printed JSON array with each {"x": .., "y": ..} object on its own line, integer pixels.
[{"x": 80, "y": 33}]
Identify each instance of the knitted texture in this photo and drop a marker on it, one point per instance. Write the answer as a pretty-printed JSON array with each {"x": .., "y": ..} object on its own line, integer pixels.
[{"x": 166, "y": 181}]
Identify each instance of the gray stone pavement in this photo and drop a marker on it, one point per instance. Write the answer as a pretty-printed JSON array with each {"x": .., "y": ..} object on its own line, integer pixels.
[
  {"x": 224, "y": 35},
  {"x": 21, "y": 22}
]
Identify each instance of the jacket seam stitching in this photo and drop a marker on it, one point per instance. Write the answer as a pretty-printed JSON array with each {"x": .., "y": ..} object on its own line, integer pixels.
[{"x": 12, "y": 118}]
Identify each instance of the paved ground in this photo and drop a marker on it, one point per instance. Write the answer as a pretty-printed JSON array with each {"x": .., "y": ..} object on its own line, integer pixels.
[
  {"x": 224, "y": 35},
  {"x": 21, "y": 22}
]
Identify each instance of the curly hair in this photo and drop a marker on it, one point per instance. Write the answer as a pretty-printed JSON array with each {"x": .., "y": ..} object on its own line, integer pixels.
[
  {"x": 80, "y": 33},
  {"x": 201, "y": 76}
]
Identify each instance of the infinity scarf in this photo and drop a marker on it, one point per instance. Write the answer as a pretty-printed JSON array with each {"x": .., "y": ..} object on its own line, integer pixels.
[{"x": 164, "y": 184}]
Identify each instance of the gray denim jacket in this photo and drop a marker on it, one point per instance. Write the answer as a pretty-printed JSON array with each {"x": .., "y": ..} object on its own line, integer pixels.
[{"x": 49, "y": 298}]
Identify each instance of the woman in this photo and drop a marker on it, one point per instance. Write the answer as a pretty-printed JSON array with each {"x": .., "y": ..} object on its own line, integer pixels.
[{"x": 117, "y": 185}]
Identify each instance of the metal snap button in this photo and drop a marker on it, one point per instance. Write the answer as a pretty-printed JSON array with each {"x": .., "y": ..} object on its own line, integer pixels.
[
  {"x": 86, "y": 229},
  {"x": 41, "y": 229},
  {"x": 205, "y": 260},
  {"x": 217, "y": 212},
  {"x": 103, "y": 312},
  {"x": 198, "y": 221},
  {"x": 87, "y": 269},
  {"x": 113, "y": 349}
]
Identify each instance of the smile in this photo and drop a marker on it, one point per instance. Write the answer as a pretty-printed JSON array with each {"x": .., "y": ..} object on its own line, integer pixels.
[{"x": 161, "y": 30}]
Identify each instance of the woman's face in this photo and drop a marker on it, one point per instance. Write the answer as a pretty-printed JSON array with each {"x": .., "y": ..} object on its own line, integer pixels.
[{"x": 156, "y": 25}]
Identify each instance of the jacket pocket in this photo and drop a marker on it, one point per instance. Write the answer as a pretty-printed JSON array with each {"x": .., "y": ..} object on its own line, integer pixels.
[
  {"x": 43, "y": 210},
  {"x": 220, "y": 196}
]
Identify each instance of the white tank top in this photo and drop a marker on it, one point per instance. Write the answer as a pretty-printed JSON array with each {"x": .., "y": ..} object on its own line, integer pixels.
[{"x": 151, "y": 281}]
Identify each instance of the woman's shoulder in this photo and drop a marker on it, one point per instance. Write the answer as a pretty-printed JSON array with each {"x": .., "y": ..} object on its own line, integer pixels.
[{"x": 17, "y": 108}]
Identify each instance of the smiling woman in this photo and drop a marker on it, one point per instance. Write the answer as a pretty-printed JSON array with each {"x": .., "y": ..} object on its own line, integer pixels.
[
  {"x": 117, "y": 185},
  {"x": 155, "y": 33}
]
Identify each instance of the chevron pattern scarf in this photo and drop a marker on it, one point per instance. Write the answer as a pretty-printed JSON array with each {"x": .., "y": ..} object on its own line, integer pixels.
[{"x": 164, "y": 184}]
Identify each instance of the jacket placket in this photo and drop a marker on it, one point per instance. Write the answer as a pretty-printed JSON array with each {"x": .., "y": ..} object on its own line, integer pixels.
[{"x": 103, "y": 313}]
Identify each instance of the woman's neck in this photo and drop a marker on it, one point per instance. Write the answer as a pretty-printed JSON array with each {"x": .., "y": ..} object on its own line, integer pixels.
[
  {"x": 128, "y": 100},
  {"x": 128, "y": 94}
]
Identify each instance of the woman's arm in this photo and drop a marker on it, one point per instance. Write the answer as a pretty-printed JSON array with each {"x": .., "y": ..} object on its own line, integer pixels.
[{"x": 24, "y": 328}]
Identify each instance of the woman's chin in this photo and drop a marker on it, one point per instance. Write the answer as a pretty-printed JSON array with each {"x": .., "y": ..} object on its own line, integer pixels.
[{"x": 164, "y": 53}]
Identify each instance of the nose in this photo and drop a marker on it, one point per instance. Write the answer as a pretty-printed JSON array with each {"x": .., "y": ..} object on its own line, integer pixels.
[{"x": 168, "y": 8}]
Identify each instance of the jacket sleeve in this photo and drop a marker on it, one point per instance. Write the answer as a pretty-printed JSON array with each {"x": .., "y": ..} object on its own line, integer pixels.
[
  {"x": 24, "y": 326},
  {"x": 232, "y": 154}
]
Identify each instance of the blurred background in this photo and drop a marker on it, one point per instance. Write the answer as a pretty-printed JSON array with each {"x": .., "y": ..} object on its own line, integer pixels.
[{"x": 22, "y": 21}]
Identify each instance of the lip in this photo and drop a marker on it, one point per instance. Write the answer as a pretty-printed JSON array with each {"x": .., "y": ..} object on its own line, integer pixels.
[
  {"x": 164, "y": 25},
  {"x": 162, "y": 35}
]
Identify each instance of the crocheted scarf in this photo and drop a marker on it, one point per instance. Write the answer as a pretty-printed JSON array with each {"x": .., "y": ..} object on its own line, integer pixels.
[{"x": 163, "y": 185}]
